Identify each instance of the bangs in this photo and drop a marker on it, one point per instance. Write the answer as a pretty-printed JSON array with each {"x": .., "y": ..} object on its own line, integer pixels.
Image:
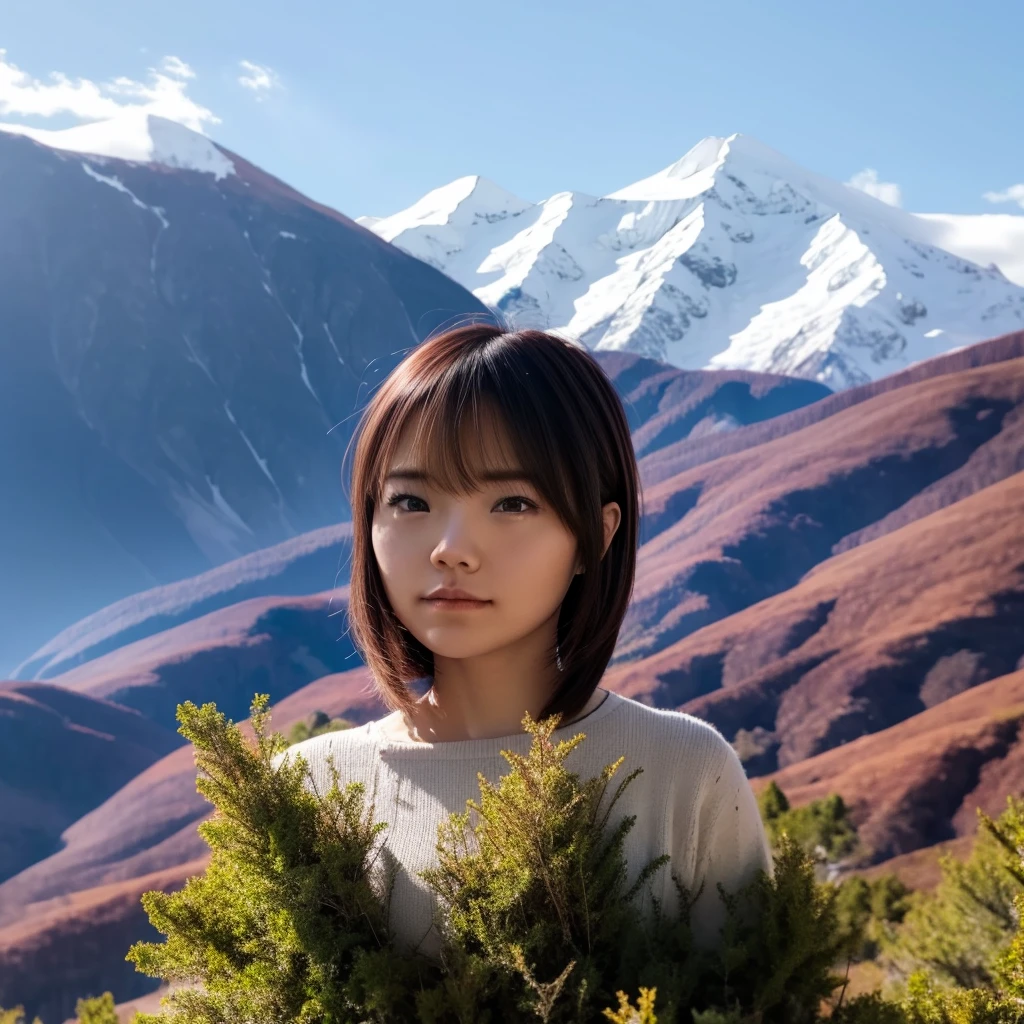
[{"x": 470, "y": 429}]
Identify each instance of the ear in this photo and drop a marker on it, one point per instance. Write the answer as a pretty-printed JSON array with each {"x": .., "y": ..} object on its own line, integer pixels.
[{"x": 611, "y": 514}]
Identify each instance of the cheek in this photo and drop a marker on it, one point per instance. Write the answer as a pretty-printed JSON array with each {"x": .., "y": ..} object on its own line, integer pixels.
[
  {"x": 391, "y": 551},
  {"x": 540, "y": 562}
]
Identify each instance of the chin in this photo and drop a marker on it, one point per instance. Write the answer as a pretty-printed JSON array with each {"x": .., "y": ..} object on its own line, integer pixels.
[
  {"x": 447, "y": 643},
  {"x": 457, "y": 651}
]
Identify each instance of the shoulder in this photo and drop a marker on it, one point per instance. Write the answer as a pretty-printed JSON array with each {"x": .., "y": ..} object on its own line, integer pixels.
[
  {"x": 686, "y": 753},
  {"x": 707, "y": 780},
  {"x": 676, "y": 736},
  {"x": 317, "y": 749}
]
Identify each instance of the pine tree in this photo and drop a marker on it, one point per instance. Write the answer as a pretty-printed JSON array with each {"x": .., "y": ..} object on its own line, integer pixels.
[
  {"x": 97, "y": 1010},
  {"x": 316, "y": 724},
  {"x": 822, "y": 827},
  {"x": 957, "y": 933},
  {"x": 15, "y": 1016}
]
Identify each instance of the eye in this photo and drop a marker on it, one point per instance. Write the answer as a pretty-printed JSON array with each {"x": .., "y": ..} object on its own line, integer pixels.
[
  {"x": 518, "y": 498},
  {"x": 396, "y": 498}
]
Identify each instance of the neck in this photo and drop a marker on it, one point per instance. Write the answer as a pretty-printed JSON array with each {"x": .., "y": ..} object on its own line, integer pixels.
[
  {"x": 460, "y": 705},
  {"x": 432, "y": 725},
  {"x": 487, "y": 695}
]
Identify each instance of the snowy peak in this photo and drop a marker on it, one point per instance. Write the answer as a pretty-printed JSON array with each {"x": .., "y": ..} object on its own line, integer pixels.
[
  {"x": 460, "y": 203},
  {"x": 718, "y": 158},
  {"x": 732, "y": 257},
  {"x": 743, "y": 169},
  {"x": 689, "y": 176},
  {"x": 139, "y": 137},
  {"x": 440, "y": 228}
]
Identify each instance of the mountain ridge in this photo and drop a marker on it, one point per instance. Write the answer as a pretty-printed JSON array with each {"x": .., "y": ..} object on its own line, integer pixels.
[{"x": 733, "y": 257}]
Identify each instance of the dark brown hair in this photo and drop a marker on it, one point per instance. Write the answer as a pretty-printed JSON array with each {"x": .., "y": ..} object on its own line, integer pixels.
[{"x": 565, "y": 422}]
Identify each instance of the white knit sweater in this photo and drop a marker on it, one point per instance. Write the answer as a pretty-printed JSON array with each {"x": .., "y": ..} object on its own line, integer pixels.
[{"x": 692, "y": 800}]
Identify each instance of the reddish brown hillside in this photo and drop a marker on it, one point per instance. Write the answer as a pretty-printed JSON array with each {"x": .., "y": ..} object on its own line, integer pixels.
[
  {"x": 61, "y": 755},
  {"x": 76, "y": 946},
  {"x": 66, "y": 923},
  {"x": 685, "y": 454},
  {"x": 272, "y": 645},
  {"x": 149, "y": 824},
  {"x": 733, "y": 532},
  {"x": 149, "y": 1003},
  {"x": 297, "y": 566},
  {"x": 868, "y": 639},
  {"x": 665, "y": 404},
  {"x": 921, "y": 868},
  {"x": 920, "y": 782}
]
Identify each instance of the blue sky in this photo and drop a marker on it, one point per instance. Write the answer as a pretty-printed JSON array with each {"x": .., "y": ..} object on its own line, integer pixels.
[{"x": 367, "y": 106}]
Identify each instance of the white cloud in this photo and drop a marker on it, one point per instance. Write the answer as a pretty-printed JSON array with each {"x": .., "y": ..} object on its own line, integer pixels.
[
  {"x": 867, "y": 181},
  {"x": 177, "y": 67},
  {"x": 257, "y": 77},
  {"x": 164, "y": 93},
  {"x": 1014, "y": 194}
]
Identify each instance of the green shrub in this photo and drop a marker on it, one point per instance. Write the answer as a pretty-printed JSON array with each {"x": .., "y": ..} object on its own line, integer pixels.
[
  {"x": 289, "y": 922},
  {"x": 928, "y": 1004},
  {"x": 870, "y": 910},
  {"x": 98, "y": 1010},
  {"x": 958, "y": 933},
  {"x": 316, "y": 724},
  {"x": 821, "y": 827},
  {"x": 15, "y": 1016}
]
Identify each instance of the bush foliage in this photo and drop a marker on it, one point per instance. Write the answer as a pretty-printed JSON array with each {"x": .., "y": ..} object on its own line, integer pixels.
[
  {"x": 316, "y": 724},
  {"x": 289, "y": 923},
  {"x": 962, "y": 932},
  {"x": 822, "y": 827}
]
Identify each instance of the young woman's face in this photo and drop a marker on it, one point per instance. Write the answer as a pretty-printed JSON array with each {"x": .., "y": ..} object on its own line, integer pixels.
[{"x": 502, "y": 544}]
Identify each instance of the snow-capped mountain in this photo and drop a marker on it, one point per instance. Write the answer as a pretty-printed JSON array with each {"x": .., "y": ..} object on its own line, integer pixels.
[
  {"x": 184, "y": 344},
  {"x": 137, "y": 136},
  {"x": 732, "y": 257},
  {"x": 982, "y": 238}
]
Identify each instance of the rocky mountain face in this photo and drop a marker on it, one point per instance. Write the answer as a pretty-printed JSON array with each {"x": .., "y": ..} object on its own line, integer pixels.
[
  {"x": 184, "y": 344},
  {"x": 732, "y": 257}
]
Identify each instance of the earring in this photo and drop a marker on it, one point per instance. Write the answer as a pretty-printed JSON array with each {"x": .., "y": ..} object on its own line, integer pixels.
[{"x": 558, "y": 657}]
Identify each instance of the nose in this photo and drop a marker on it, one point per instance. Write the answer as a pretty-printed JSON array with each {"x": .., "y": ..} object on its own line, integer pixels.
[{"x": 455, "y": 546}]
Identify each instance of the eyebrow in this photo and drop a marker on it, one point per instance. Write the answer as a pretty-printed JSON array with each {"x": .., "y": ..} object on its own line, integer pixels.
[{"x": 411, "y": 473}]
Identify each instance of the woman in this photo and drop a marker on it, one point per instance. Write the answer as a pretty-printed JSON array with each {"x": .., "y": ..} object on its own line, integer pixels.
[{"x": 495, "y": 520}]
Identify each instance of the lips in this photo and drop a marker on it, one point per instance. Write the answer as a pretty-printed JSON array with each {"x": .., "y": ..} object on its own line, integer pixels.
[{"x": 453, "y": 594}]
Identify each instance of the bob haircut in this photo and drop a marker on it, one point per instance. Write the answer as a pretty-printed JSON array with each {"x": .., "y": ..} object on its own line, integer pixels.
[{"x": 565, "y": 422}]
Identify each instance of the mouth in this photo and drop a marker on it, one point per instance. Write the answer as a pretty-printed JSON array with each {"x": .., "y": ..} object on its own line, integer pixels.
[{"x": 450, "y": 604}]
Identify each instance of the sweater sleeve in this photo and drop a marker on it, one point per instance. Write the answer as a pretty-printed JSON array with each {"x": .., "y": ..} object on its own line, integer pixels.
[{"x": 732, "y": 846}]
